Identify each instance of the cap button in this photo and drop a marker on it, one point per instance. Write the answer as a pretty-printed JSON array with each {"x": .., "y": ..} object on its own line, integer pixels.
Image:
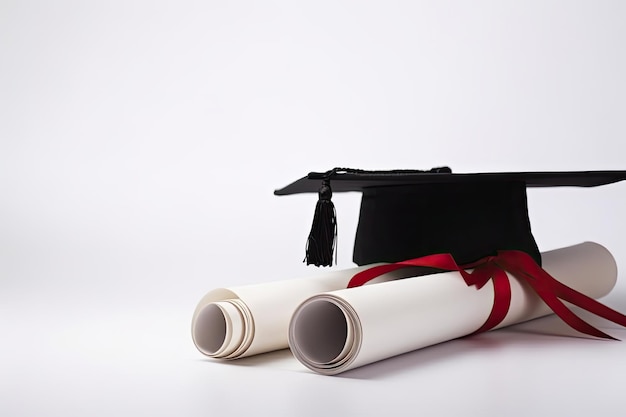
[{"x": 325, "y": 192}]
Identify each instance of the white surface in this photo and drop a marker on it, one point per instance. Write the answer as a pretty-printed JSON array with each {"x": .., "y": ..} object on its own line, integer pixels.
[
  {"x": 126, "y": 361},
  {"x": 140, "y": 142}
]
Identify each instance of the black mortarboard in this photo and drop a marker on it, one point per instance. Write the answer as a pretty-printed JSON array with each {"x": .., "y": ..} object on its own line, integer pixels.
[{"x": 407, "y": 214}]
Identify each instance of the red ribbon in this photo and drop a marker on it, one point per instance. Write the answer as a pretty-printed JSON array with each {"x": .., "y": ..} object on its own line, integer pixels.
[{"x": 523, "y": 267}]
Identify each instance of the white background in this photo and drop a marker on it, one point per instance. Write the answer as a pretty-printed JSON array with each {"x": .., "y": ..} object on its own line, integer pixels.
[{"x": 140, "y": 143}]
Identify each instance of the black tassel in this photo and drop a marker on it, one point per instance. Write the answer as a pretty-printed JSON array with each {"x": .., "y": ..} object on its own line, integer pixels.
[{"x": 320, "y": 245}]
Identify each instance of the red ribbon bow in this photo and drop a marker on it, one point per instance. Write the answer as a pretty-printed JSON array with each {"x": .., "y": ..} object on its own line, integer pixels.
[{"x": 523, "y": 267}]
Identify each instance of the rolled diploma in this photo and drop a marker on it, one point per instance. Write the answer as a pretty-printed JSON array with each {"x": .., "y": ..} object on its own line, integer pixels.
[
  {"x": 241, "y": 321},
  {"x": 336, "y": 331}
]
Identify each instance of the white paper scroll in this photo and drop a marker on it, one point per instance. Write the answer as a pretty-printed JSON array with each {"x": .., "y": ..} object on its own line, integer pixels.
[
  {"x": 242, "y": 321},
  {"x": 336, "y": 331}
]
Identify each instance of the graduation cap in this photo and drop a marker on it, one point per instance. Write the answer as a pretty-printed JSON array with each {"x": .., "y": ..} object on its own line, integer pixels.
[{"x": 407, "y": 214}]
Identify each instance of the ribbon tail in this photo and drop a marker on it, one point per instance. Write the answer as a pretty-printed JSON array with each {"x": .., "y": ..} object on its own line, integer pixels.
[
  {"x": 569, "y": 317},
  {"x": 550, "y": 290},
  {"x": 581, "y": 300}
]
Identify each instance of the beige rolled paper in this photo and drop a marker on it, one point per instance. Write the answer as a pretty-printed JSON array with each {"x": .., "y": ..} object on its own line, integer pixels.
[
  {"x": 247, "y": 320},
  {"x": 336, "y": 331}
]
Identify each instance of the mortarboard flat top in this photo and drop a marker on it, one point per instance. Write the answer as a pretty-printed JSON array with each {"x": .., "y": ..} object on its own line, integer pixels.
[
  {"x": 409, "y": 213},
  {"x": 358, "y": 180}
]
